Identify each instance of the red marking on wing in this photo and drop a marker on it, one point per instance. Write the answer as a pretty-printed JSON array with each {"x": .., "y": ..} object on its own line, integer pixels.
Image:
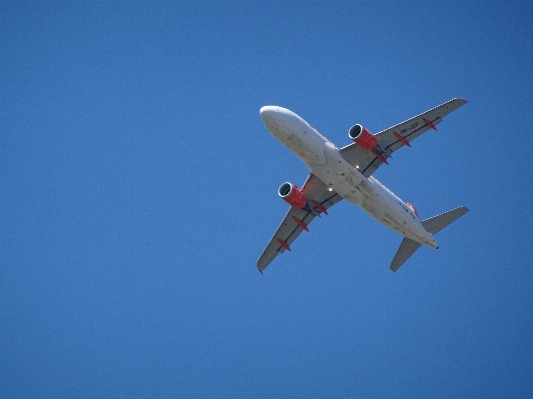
[
  {"x": 431, "y": 125},
  {"x": 319, "y": 206},
  {"x": 302, "y": 224},
  {"x": 380, "y": 157},
  {"x": 284, "y": 244},
  {"x": 402, "y": 139}
]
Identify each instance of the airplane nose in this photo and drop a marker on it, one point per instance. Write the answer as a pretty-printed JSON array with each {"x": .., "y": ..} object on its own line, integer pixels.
[
  {"x": 269, "y": 115},
  {"x": 267, "y": 112},
  {"x": 279, "y": 120}
]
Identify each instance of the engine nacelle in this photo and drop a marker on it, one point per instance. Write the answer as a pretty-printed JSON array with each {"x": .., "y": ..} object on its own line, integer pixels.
[
  {"x": 363, "y": 137},
  {"x": 290, "y": 194}
]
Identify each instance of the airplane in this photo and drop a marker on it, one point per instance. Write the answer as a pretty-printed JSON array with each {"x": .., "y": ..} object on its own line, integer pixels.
[{"x": 346, "y": 173}]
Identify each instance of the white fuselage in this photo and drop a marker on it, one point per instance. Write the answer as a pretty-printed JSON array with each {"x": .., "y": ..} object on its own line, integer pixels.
[{"x": 325, "y": 161}]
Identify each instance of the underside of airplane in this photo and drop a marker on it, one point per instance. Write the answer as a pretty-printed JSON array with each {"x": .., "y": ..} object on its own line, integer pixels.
[{"x": 347, "y": 173}]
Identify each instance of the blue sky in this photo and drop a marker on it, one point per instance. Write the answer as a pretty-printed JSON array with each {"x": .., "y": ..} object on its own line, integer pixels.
[{"x": 139, "y": 187}]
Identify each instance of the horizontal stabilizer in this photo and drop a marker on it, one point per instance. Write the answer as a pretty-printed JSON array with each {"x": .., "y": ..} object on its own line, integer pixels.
[
  {"x": 407, "y": 248},
  {"x": 437, "y": 223},
  {"x": 433, "y": 225}
]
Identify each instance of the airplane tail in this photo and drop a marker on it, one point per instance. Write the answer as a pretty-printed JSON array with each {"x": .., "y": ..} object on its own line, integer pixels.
[{"x": 432, "y": 225}]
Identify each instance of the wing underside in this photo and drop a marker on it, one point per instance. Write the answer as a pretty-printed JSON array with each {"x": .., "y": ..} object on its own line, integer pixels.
[
  {"x": 397, "y": 136},
  {"x": 290, "y": 228}
]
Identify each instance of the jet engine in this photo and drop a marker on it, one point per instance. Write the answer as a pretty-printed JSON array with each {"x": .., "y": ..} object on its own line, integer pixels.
[
  {"x": 368, "y": 141},
  {"x": 363, "y": 137},
  {"x": 290, "y": 194}
]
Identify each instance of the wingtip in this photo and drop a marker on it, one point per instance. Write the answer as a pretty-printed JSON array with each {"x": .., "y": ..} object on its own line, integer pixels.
[{"x": 460, "y": 99}]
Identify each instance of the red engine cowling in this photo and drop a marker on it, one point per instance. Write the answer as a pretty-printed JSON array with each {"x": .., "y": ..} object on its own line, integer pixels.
[
  {"x": 363, "y": 137},
  {"x": 290, "y": 194}
]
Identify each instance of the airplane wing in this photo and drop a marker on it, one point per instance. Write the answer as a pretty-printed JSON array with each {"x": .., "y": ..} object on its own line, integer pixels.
[
  {"x": 397, "y": 136},
  {"x": 290, "y": 229}
]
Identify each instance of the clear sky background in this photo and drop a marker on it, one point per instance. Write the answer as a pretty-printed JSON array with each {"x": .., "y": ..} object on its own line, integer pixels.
[{"x": 139, "y": 187}]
